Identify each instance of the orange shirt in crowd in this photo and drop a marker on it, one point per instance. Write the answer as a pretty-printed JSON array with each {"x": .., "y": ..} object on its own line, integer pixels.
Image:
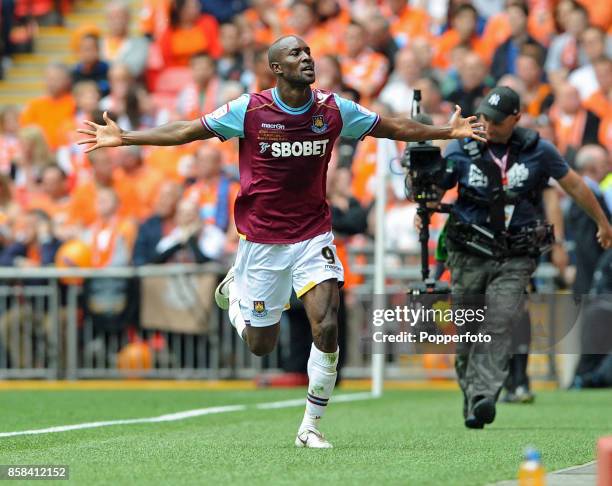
[
  {"x": 178, "y": 45},
  {"x": 366, "y": 73},
  {"x": 173, "y": 162},
  {"x": 444, "y": 45},
  {"x": 145, "y": 183},
  {"x": 262, "y": 33},
  {"x": 51, "y": 114},
  {"x": 569, "y": 131},
  {"x": 321, "y": 42},
  {"x": 599, "y": 104},
  {"x": 205, "y": 195},
  {"x": 83, "y": 201},
  {"x": 540, "y": 25},
  {"x": 412, "y": 22},
  {"x": 154, "y": 16},
  {"x": 605, "y": 133},
  {"x": 364, "y": 170},
  {"x": 534, "y": 107},
  {"x": 350, "y": 279},
  {"x": 107, "y": 235},
  {"x": 600, "y": 13},
  {"x": 336, "y": 27},
  {"x": 57, "y": 209}
]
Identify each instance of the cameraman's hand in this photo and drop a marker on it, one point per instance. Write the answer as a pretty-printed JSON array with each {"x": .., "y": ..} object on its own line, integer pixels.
[
  {"x": 559, "y": 257},
  {"x": 468, "y": 127},
  {"x": 418, "y": 222},
  {"x": 604, "y": 236}
]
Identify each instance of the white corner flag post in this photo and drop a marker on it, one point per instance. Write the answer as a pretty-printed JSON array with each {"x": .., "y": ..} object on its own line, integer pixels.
[{"x": 384, "y": 151}]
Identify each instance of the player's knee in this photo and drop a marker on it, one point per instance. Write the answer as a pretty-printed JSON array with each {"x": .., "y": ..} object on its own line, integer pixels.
[
  {"x": 261, "y": 348},
  {"x": 261, "y": 345}
]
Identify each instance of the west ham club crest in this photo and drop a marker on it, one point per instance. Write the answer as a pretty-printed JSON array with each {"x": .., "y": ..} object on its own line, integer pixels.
[{"x": 318, "y": 124}]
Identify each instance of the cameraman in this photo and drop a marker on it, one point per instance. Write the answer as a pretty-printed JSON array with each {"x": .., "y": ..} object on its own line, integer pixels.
[{"x": 493, "y": 236}]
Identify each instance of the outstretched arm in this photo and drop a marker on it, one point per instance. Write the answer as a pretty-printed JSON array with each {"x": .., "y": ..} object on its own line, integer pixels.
[
  {"x": 573, "y": 184},
  {"x": 407, "y": 130},
  {"x": 174, "y": 133}
]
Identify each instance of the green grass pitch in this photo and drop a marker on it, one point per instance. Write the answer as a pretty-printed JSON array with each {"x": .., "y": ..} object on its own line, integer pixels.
[{"x": 406, "y": 437}]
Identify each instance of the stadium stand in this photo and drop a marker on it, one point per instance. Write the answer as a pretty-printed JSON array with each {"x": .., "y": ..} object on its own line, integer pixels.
[{"x": 150, "y": 61}]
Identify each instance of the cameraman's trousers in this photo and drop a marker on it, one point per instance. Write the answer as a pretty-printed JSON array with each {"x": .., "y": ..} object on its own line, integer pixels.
[{"x": 500, "y": 285}]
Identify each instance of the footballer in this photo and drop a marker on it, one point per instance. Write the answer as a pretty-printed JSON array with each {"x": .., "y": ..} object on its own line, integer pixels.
[{"x": 286, "y": 135}]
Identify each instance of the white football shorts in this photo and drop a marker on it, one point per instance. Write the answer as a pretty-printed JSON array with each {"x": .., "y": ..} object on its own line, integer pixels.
[{"x": 265, "y": 274}]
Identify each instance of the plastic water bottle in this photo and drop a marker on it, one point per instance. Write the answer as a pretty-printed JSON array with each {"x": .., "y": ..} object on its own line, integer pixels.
[{"x": 531, "y": 472}]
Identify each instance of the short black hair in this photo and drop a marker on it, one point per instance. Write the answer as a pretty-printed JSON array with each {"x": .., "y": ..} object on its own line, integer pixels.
[
  {"x": 519, "y": 4},
  {"x": 92, "y": 36},
  {"x": 466, "y": 7},
  {"x": 53, "y": 167},
  {"x": 202, "y": 55},
  {"x": 534, "y": 51}
]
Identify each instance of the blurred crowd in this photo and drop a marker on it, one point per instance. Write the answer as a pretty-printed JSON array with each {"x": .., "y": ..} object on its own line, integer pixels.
[{"x": 179, "y": 59}]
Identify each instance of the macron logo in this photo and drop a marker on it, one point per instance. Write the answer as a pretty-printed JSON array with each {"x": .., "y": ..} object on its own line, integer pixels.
[
  {"x": 273, "y": 126},
  {"x": 494, "y": 99}
]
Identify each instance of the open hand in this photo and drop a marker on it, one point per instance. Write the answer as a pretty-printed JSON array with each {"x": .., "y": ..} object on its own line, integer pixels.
[
  {"x": 466, "y": 127},
  {"x": 108, "y": 135}
]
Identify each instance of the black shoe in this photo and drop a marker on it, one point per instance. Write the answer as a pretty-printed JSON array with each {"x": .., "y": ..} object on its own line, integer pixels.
[
  {"x": 471, "y": 422},
  {"x": 484, "y": 410}
]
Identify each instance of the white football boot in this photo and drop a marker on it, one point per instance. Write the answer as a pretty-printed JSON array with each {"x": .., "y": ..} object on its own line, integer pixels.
[
  {"x": 222, "y": 290},
  {"x": 312, "y": 439}
]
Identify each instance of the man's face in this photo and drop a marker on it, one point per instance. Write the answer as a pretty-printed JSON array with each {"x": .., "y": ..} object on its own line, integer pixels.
[
  {"x": 472, "y": 71},
  {"x": 88, "y": 51},
  {"x": 593, "y": 43},
  {"x": 106, "y": 203},
  {"x": 568, "y": 99},
  {"x": 407, "y": 66},
  {"x": 88, "y": 99},
  {"x": 517, "y": 20},
  {"x": 229, "y": 35},
  {"x": 603, "y": 73},
  {"x": 203, "y": 69},
  {"x": 296, "y": 64},
  {"x": 120, "y": 80},
  {"x": 528, "y": 70},
  {"x": 207, "y": 162},
  {"x": 302, "y": 19},
  {"x": 118, "y": 21},
  {"x": 465, "y": 24},
  {"x": 168, "y": 197},
  {"x": 57, "y": 81},
  {"x": 102, "y": 166},
  {"x": 499, "y": 132},
  {"x": 356, "y": 39},
  {"x": 53, "y": 183}
]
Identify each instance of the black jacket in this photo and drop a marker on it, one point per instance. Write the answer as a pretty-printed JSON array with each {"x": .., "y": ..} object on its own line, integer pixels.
[{"x": 588, "y": 251}]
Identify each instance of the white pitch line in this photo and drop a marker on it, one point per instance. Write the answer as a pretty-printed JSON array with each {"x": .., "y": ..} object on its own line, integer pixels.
[{"x": 187, "y": 414}]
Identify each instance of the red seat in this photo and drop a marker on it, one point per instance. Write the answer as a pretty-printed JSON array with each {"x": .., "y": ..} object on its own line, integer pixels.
[
  {"x": 164, "y": 101},
  {"x": 172, "y": 80}
]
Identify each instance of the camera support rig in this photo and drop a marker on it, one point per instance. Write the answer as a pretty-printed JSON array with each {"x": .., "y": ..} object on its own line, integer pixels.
[{"x": 425, "y": 167}]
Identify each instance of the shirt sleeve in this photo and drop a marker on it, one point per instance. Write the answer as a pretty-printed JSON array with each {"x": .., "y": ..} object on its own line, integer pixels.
[
  {"x": 553, "y": 163},
  {"x": 357, "y": 121},
  {"x": 227, "y": 121}
]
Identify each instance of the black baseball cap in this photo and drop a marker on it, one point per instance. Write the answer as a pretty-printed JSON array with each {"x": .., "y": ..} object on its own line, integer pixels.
[{"x": 500, "y": 103}]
